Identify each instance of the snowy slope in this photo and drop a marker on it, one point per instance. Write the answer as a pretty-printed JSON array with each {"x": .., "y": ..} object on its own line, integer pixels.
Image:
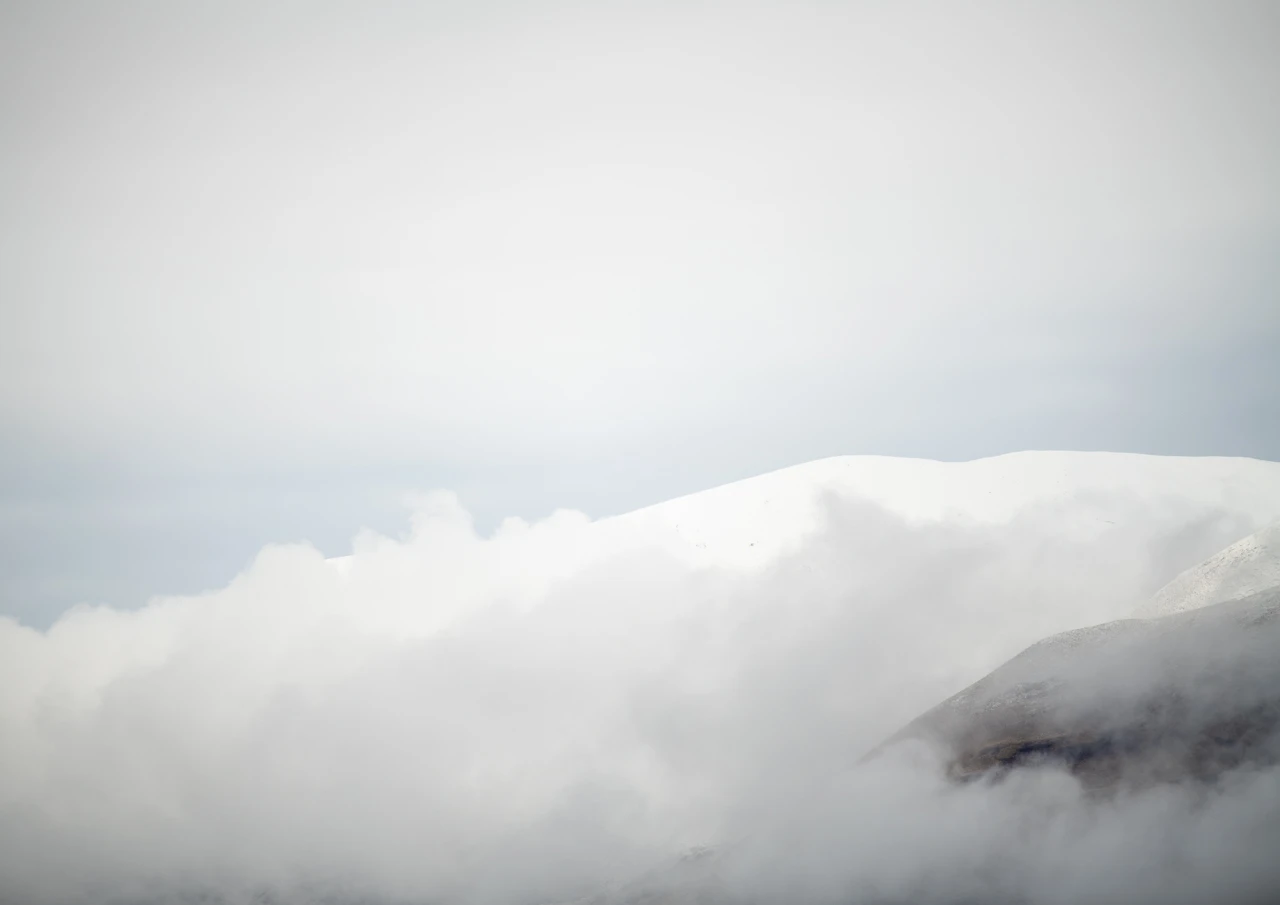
[
  {"x": 749, "y": 523},
  {"x": 1246, "y": 567},
  {"x": 773, "y": 510}
]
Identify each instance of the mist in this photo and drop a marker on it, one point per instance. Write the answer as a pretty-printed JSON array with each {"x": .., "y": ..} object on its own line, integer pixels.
[
  {"x": 540, "y": 715},
  {"x": 266, "y": 268},
  {"x": 262, "y": 271}
]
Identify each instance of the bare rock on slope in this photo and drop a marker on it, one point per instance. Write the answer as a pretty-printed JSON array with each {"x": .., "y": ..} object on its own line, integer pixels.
[{"x": 1189, "y": 695}]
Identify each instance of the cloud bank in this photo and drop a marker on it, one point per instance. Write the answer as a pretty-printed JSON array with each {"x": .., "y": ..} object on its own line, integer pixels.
[{"x": 538, "y": 716}]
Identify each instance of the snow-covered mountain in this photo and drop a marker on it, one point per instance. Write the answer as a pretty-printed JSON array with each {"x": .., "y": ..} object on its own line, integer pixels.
[
  {"x": 1190, "y": 687},
  {"x": 567, "y": 703},
  {"x": 1248, "y": 566},
  {"x": 750, "y": 523},
  {"x": 1189, "y": 694}
]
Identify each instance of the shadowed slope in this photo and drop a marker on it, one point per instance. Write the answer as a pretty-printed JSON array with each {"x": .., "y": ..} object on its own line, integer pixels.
[{"x": 1189, "y": 695}]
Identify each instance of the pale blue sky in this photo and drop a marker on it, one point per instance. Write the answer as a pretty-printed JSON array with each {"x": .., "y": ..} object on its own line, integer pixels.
[{"x": 261, "y": 274}]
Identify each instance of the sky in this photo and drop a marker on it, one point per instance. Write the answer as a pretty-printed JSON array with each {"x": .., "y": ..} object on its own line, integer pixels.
[{"x": 266, "y": 269}]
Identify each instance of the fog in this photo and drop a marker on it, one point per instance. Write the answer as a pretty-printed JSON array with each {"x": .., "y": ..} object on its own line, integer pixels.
[
  {"x": 535, "y": 716},
  {"x": 266, "y": 267}
]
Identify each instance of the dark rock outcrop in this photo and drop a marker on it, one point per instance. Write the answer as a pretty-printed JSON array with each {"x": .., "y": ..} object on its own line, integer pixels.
[{"x": 1139, "y": 701}]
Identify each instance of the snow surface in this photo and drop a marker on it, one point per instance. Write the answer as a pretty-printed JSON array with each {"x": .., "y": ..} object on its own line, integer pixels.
[
  {"x": 1246, "y": 567},
  {"x": 749, "y": 524}
]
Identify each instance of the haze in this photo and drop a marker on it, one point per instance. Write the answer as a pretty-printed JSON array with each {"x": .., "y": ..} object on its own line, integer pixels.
[
  {"x": 265, "y": 270},
  {"x": 355, "y": 358}
]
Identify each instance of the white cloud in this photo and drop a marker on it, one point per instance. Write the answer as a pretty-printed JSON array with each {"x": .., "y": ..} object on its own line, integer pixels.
[{"x": 567, "y": 704}]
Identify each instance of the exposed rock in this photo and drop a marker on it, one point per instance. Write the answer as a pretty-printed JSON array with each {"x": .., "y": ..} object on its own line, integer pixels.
[{"x": 1189, "y": 695}]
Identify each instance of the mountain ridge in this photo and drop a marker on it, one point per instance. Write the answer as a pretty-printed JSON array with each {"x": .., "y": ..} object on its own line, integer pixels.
[{"x": 750, "y": 523}]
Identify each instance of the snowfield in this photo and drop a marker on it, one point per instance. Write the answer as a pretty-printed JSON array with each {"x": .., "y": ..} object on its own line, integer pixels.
[
  {"x": 751, "y": 523},
  {"x": 1248, "y": 566}
]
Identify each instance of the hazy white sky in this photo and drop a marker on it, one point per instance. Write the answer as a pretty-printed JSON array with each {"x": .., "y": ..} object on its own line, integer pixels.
[{"x": 262, "y": 270}]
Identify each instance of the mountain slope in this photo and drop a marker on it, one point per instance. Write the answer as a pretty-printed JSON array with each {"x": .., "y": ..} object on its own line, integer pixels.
[
  {"x": 1191, "y": 689},
  {"x": 1246, "y": 567},
  {"x": 750, "y": 523}
]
